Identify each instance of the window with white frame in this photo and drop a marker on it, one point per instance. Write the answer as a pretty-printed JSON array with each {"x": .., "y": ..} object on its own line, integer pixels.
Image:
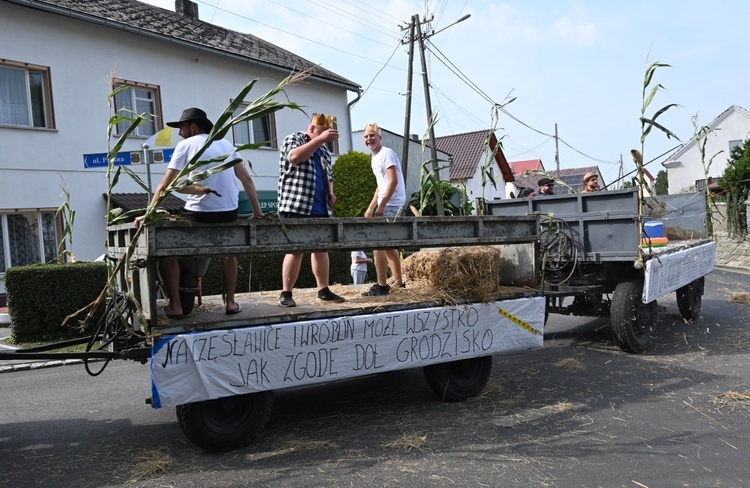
[
  {"x": 255, "y": 131},
  {"x": 27, "y": 238},
  {"x": 138, "y": 99},
  {"x": 733, "y": 144},
  {"x": 25, "y": 95}
]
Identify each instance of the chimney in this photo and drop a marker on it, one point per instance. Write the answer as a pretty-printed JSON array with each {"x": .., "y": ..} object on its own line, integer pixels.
[
  {"x": 187, "y": 8},
  {"x": 414, "y": 137}
]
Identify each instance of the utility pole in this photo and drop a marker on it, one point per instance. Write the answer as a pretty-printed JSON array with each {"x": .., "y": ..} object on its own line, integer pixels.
[
  {"x": 430, "y": 121},
  {"x": 415, "y": 24},
  {"x": 407, "y": 116},
  {"x": 557, "y": 153}
]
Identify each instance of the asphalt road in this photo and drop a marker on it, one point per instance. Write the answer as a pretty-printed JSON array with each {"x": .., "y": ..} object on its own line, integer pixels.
[{"x": 576, "y": 413}]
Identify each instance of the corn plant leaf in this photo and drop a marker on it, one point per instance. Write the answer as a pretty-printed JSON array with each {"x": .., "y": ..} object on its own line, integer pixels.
[{"x": 139, "y": 181}]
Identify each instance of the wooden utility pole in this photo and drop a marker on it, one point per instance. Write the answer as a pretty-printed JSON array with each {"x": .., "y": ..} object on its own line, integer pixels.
[
  {"x": 430, "y": 120},
  {"x": 407, "y": 116}
]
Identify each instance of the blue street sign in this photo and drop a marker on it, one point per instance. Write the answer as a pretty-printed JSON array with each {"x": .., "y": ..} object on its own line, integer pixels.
[{"x": 126, "y": 158}]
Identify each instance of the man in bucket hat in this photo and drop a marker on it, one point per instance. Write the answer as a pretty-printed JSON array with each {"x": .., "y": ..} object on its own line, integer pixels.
[
  {"x": 306, "y": 190},
  {"x": 216, "y": 199}
]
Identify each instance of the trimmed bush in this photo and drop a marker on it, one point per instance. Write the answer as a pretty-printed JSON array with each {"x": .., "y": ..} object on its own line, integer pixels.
[
  {"x": 40, "y": 296},
  {"x": 354, "y": 184}
]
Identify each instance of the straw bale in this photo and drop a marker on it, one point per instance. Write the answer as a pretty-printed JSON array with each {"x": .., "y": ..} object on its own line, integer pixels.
[{"x": 456, "y": 272}]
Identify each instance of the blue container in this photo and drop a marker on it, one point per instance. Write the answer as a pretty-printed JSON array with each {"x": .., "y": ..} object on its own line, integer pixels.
[{"x": 654, "y": 228}]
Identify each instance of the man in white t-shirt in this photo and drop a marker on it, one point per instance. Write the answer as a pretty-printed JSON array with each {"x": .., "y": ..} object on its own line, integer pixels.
[
  {"x": 389, "y": 199},
  {"x": 215, "y": 199}
]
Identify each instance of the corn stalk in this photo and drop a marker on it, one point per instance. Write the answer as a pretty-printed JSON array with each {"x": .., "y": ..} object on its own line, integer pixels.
[{"x": 266, "y": 104}]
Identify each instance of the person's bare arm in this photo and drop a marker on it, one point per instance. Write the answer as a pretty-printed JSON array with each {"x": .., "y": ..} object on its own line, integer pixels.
[
  {"x": 303, "y": 152},
  {"x": 249, "y": 186}
]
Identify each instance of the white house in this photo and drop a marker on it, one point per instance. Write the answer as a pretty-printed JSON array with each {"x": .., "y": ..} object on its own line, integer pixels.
[
  {"x": 418, "y": 155},
  {"x": 685, "y": 170},
  {"x": 478, "y": 164},
  {"x": 61, "y": 59}
]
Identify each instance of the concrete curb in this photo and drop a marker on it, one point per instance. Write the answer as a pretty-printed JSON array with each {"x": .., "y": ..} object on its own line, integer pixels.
[{"x": 10, "y": 368}]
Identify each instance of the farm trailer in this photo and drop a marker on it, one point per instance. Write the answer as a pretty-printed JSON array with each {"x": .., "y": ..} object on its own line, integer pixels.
[
  {"x": 597, "y": 259},
  {"x": 220, "y": 371}
]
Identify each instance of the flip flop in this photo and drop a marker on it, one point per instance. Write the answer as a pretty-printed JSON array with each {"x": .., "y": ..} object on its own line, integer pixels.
[
  {"x": 175, "y": 317},
  {"x": 235, "y": 311}
]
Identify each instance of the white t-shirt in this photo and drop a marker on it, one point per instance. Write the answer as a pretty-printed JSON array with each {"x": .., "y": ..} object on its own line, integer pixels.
[
  {"x": 384, "y": 159},
  {"x": 358, "y": 266},
  {"x": 224, "y": 182}
]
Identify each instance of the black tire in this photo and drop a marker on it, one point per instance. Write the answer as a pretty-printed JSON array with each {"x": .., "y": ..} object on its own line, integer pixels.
[
  {"x": 226, "y": 424},
  {"x": 458, "y": 380},
  {"x": 632, "y": 321},
  {"x": 690, "y": 299}
]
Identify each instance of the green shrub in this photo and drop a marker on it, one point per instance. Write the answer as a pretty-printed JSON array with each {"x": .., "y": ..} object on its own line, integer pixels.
[
  {"x": 354, "y": 184},
  {"x": 40, "y": 296}
]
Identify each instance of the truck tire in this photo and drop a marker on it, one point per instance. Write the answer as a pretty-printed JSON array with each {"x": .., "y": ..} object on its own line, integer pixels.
[
  {"x": 226, "y": 424},
  {"x": 632, "y": 321},
  {"x": 458, "y": 380},
  {"x": 689, "y": 299}
]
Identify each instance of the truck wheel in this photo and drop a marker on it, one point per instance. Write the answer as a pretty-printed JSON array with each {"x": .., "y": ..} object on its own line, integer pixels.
[
  {"x": 632, "y": 321},
  {"x": 458, "y": 380},
  {"x": 689, "y": 299},
  {"x": 227, "y": 423}
]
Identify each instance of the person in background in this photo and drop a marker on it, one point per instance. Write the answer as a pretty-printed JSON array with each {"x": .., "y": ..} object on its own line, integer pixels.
[
  {"x": 590, "y": 183},
  {"x": 216, "y": 199},
  {"x": 546, "y": 187},
  {"x": 389, "y": 198},
  {"x": 526, "y": 193},
  {"x": 306, "y": 190},
  {"x": 359, "y": 267}
]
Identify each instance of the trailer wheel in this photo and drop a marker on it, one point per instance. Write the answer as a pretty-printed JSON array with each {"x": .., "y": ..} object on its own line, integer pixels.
[
  {"x": 632, "y": 321},
  {"x": 227, "y": 423},
  {"x": 458, "y": 380},
  {"x": 689, "y": 299}
]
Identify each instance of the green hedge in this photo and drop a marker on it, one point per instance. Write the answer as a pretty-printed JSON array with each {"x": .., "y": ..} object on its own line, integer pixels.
[
  {"x": 40, "y": 296},
  {"x": 263, "y": 273},
  {"x": 354, "y": 184}
]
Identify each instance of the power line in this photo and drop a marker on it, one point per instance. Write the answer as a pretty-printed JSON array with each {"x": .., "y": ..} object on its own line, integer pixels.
[
  {"x": 381, "y": 69},
  {"x": 301, "y": 37},
  {"x": 455, "y": 70},
  {"x": 347, "y": 15}
]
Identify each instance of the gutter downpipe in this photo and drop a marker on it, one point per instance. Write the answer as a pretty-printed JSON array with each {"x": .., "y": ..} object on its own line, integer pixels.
[{"x": 349, "y": 117}]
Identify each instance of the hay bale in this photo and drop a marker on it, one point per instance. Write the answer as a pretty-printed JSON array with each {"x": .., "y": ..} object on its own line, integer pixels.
[{"x": 457, "y": 272}]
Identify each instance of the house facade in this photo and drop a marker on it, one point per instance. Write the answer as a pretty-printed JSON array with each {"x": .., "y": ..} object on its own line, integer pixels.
[
  {"x": 685, "y": 168},
  {"x": 61, "y": 59},
  {"x": 478, "y": 164}
]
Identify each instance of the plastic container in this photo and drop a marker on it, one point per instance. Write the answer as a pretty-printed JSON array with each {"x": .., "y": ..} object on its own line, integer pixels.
[{"x": 654, "y": 228}]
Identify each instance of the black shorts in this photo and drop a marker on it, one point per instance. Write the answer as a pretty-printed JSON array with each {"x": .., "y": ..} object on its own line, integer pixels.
[{"x": 209, "y": 217}]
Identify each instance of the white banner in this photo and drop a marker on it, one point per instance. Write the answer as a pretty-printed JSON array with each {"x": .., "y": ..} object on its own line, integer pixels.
[
  {"x": 668, "y": 272},
  {"x": 207, "y": 365}
]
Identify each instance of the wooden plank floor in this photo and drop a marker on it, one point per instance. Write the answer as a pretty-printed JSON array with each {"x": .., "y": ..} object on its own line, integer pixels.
[{"x": 262, "y": 308}]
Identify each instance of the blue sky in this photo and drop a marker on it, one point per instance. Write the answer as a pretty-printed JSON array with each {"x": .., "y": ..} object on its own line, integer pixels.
[{"x": 577, "y": 64}]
